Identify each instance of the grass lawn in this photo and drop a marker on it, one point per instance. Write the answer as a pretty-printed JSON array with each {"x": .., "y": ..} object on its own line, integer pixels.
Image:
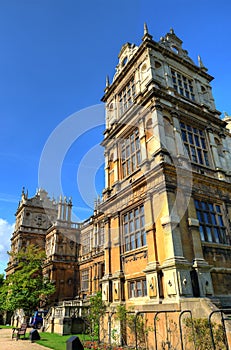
[{"x": 56, "y": 341}]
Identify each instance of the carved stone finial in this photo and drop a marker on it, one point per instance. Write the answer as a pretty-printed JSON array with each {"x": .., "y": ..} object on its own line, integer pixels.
[
  {"x": 201, "y": 65},
  {"x": 172, "y": 31},
  {"x": 146, "y": 35},
  {"x": 145, "y": 28},
  {"x": 24, "y": 194},
  {"x": 107, "y": 81}
]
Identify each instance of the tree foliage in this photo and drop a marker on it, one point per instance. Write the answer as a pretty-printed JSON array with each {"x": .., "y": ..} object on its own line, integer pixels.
[
  {"x": 198, "y": 330},
  {"x": 95, "y": 313},
  {"x": 1, "y": 279},
  {"x": 26, "y": 287},
  {"x": 132, "y": 325}
]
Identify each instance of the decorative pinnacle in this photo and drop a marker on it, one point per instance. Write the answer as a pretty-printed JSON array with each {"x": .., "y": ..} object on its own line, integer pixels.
[
  {"x": 145, "y": 28},
  {"x": 146, "y": 35},
  {"x": 201, "y": 65},
  {"x": 107, "y": 81},
  {"x": 172, "y": 31}
]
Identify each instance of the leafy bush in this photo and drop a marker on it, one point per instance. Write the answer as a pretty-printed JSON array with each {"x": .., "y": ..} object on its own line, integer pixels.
[{"x": 198, "y": 329}]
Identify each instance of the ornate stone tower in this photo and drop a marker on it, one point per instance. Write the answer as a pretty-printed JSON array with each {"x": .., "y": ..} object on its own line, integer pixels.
[
  {"x": 44, "y": 223},
  {"x": 167, "y": 202},
  {"x": 62, "y": 252},
  {"x": 33, "y": 217}
]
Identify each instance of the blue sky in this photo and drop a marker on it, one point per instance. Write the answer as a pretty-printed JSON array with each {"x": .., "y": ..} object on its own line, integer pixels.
[{"x": 54, "y": 57}]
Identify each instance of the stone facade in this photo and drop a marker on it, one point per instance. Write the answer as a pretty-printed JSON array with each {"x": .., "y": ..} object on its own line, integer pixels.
[{"x": 161, "y": 232}]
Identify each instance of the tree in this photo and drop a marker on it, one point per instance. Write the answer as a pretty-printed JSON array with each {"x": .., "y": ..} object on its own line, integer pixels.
[
  {"x": 1, "y": 279},
  {"x": 26, "y": 287}
]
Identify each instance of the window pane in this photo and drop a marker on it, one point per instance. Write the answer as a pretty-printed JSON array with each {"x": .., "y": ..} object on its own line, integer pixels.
[
  {"x": 221, "y": 223},
  {"x": 206, "y": 158},
  {"x": 137, "y": 223},
  {"x": 209, "y": 234},
  {"x": 184, "y": 137},
  {"x": 190, "y": 138},
  {"x": 144, "y": 287},
  {"x": 216, "y": 234},
  {"x": 207, "y": 218},
  {"x": 202, "y": 233},
  {"x": 132, "y": 246},
  {"x": 197, "y": 140},
  {"x": 131, "y": 226},
  {"x": 127, "y": 245},
  {"x": 138, "y": 240},
  {"x": 223, "y": 236},
  {"x": 204, "y": 206},
  {"x": 132, "y": 289},
  {"x": 144, "y": 242},
  {"x": 138, "y": 289},
  {"x": 203, "y": 143},
  {"x": 199, "y": 154},
  {"x": 213, "y": 217},
  {"x": 211, "y": 207}
]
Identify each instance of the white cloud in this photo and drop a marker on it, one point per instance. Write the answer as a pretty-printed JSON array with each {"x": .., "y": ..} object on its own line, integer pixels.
[{"x": 6, "y": 230}]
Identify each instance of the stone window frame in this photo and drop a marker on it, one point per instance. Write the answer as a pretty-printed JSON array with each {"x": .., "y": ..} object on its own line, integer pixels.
[
  {"x": 133, "y": 225},
  {"x": 182, "y": 84},
  {"x": 130, "y": 151},
  {"x": 137, "y": 288},
  {"x": 211, "y": 222},
  {"x": 194, "y": 140},
  {"x": 85, "y": 280},
  {"x": 126, "y": 96}
]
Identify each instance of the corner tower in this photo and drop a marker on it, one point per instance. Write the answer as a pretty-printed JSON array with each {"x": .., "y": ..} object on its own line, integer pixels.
[
  {"x": 166, "y": 155},
  {"x": 33, "y": 218}
]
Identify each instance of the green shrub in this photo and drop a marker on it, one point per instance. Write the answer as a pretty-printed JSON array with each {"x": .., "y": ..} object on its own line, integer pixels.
[{"x": 199, "y": 329}]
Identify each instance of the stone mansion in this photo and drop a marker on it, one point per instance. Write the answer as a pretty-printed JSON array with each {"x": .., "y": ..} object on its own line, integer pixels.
[{"x": 161, "y": 233}]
